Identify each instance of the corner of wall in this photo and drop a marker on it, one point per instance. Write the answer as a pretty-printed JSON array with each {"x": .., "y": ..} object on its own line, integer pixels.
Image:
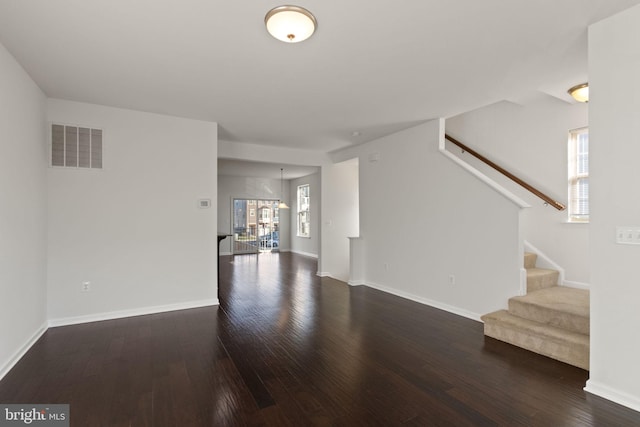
[{"x": 598, "y": 389}]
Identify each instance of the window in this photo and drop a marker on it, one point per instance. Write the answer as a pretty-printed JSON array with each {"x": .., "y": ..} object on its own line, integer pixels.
[
  {"x": 265, "y": 213},
  {"x": 579, "y": 175},
  {"x": 76, "y": 147},
  {"x": 304, "y": 224}
]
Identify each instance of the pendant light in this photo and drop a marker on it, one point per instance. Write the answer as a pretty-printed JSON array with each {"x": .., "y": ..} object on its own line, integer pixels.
[{"x": 282, "y": 204}]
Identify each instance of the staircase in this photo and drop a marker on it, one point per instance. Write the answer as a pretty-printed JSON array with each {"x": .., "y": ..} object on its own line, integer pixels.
[{"x": 550, "y": 320}]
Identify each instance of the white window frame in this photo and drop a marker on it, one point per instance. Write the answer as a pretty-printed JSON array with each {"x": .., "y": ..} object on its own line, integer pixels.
[
  {"x": 578, "y": 174},
  {"x": 304, "y": 219}
]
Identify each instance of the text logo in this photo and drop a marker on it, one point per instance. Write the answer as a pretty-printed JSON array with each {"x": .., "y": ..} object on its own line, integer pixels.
[{"x": 34, "y": 415}]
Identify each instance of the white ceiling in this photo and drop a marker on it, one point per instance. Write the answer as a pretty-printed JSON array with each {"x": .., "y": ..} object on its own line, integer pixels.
[{"x": 372, "y": 66}]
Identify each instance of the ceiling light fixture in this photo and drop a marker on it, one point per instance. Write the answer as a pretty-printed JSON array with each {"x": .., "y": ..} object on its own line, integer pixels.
[
  {"x": 281, "y": 203},
  {"x": 580, "y": 92},
  {"x": 290, "y": 24}
]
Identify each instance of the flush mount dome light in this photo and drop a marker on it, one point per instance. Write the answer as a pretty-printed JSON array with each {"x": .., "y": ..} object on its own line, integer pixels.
[
  {"x": 290, "y": 24},
  {"x": 580, "y": 92}
]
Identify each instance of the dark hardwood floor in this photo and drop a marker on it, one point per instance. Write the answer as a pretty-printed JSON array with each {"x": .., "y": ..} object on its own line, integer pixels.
[{"x": 287, "y": 348}]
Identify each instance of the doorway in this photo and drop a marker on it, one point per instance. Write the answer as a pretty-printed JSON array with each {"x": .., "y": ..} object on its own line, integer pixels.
[{"x": 256, "y": 226}]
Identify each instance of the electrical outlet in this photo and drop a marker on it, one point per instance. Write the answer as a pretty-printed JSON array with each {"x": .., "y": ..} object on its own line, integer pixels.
[{"x": 86, "y": 286}]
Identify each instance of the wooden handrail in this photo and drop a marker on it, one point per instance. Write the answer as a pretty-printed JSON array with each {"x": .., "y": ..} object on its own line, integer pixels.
[{"x": 559, "y": 206}]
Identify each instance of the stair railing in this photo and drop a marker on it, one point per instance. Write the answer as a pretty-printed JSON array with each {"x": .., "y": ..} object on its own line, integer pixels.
[{"x": 548, "y": 200}]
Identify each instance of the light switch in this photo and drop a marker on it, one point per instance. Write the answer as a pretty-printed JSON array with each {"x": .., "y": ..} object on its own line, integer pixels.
[{"x": 627, "y": 235}]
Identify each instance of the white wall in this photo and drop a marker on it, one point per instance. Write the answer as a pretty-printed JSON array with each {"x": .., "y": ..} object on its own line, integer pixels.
[
  {"x": 614, "y": 66},
  {"x": 340, "y": 217},
  {"x": 22, "y": 211},
  {"x": 423, "y": 218},
  {"x": 309, "y": 246},
  {"x": 133, "y": 229},
  {"x": 531, "y": 141},
  {"x": 230, "y": 187}
]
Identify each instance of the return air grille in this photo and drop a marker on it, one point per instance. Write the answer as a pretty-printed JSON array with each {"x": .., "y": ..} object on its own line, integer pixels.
[{"x": 76, "y": 147}]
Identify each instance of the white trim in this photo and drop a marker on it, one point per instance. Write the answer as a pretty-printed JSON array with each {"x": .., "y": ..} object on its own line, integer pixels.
[
  {"x": 132, "y": 312},
  {"x": 547, "y": 262},
  {"x": 323, "y": 274},
  {"x": 308, "y": 254},
  {"x": 358, "y": 282},
  {"x": 577, "y": 285},
  {"x": 436, "y": 304},
  {"x": 481, "y": 176},
  {"x": 15, "y": 358},
  {"x": 226, "y": 253},
  {"x": 523, "y": 281},
  {"x": 613, "y": 395}
]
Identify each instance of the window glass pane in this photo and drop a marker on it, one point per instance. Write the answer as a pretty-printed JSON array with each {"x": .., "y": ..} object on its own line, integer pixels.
[
  {"x": 304, "y": 224},
  {"x": 579, "y": 175},
  {"x": 583, "y": 154},
  {"x": 582, "y": 207}
]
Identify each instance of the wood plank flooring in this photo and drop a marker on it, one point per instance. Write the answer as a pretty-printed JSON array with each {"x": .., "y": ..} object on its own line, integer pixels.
[{"x": 287, "y": 348}]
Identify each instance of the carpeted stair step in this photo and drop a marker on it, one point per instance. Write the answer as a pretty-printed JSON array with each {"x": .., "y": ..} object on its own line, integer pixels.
[
  {"x": 540, "y": 278},
  {"x": 530, "y": 260},
  {"x": 558, "y": 306},
  {"x": 560, "y": 344}
]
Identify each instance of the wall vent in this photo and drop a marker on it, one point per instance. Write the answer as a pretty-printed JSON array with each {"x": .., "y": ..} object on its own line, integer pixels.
[{"x": 76, "y": 147}]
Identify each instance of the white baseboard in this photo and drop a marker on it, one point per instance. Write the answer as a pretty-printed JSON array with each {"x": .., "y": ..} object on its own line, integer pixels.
[
  {"x": 130, "y": 313},
  {"x": 436, "y": 304},
  {"x": 11, "y": 362},
  {"x": 225, "y": 253},
  {"x": 577, "y": 285},
  {"x": 613, "y": 395},
  {"x": 6, "y": 367},
  {"x": 339, "y": 279},
  {"x": 547, "y": 262},
  {"x": 358, "y": 282},
  {"x": 308, "y": 254},
  {"x": 544, "y": 261}
]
